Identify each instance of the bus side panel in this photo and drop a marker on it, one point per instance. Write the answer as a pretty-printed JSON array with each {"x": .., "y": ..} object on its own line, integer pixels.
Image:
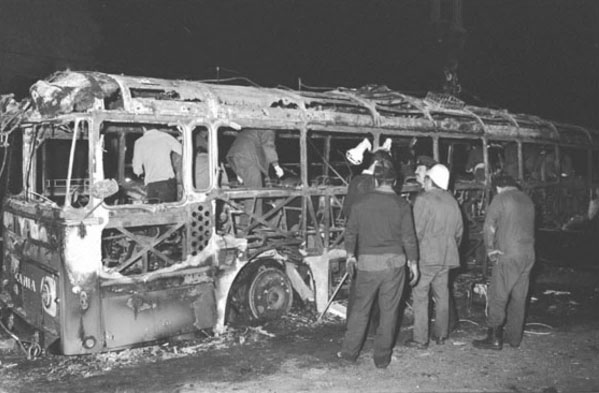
[
  {"x": 31, "y": 270},
  {"x": 168, "y": 307}
]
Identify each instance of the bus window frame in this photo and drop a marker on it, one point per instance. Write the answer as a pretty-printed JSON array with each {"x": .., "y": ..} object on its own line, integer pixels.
[{"x": 101, "y": 132}]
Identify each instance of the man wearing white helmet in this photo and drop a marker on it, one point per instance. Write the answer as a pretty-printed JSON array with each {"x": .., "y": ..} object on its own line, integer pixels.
[{"x": 439, "y": 226}]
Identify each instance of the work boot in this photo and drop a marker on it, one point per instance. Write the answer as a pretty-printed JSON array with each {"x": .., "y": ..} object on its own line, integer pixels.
[{"x": 492, "y": 341}]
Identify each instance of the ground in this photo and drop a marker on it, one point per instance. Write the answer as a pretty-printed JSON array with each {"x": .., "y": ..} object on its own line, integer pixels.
[{"x": 559, "y": 353}]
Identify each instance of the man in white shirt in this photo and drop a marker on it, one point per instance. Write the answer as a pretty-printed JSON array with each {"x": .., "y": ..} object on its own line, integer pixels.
[{"x": 152, "y": 157}]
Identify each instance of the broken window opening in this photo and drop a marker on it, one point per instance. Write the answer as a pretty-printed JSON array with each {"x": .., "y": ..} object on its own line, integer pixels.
[
  {"x": 60, "y": 165},
  {"x": 203, "y": 173},
  {"x": 258, "y": 160},
  {"x": 157, "y": 174},
  {"x": 464, "y": 158},
  {"x": 503, "y": 158},
  {"x": 139, "y": 250},
  {"x": 573, "y": 164},
  {"x": 409, "y": 152},
  {"x": 327, "y": 162},
  {"x": 540, "y": 162}
]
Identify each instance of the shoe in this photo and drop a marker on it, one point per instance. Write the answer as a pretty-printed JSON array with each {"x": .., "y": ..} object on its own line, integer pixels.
[
  {"x": 512, "y": 343},
  {"x": 344, "y": 357},
  {"x": 493, "y": 340},
  {"x": 440, "y": 340},
  {"x": 415, "y": 344}
]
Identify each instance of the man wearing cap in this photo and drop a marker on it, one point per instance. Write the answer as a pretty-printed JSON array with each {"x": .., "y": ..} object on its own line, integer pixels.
[
  {"x": 509, "y": 239},
  {"x": 152, "y": 157},
  {"x": 380, "y": 227},
  {"x": 439, "y": 226}
]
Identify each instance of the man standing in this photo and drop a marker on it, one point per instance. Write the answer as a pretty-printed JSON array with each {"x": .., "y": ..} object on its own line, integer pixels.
[
  {"x": 152, "y": 157},
  {"x": 509, "y": 239},
  {"x": 439, "y": 227},
  {"x": 250, "y": 156},
  {"x": 380, "y": 226}
]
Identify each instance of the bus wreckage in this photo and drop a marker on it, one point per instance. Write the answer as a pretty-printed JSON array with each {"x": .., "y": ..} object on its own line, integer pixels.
[{"x": 93, "y": 265}]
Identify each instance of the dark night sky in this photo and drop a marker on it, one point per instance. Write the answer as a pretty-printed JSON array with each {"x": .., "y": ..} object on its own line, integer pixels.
[{"x": 531, "y": 56}]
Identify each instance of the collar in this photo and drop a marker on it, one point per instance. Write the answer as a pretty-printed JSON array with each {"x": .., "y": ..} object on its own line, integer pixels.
[{"x": 385, "y": 188}]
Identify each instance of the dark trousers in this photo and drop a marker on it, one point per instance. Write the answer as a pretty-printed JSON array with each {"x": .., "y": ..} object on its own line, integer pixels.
[
  {"x": 162, "y": 191},
  {"x": 435, "y": 278},
  {"x": 374, "y": 313},
  {"x": 507, "y": 296},
  {"x": 386, "y": 286}
]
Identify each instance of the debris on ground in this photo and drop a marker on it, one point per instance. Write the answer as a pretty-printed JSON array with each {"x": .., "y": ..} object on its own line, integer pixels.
[{"x": 557, "y": 293}]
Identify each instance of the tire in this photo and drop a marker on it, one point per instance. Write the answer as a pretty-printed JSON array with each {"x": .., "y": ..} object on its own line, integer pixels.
[{"x": 270, "y": 294}]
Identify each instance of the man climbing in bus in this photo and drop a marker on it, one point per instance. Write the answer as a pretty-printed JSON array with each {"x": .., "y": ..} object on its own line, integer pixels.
[
  {"x": 152, "y": 157},
  {"x": 509, "y": 239},
  {"x": 251, "y": 155}
]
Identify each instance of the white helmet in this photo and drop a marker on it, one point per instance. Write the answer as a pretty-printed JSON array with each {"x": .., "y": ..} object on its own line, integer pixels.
[
  {"x": 439, "y": 174},
  {"x": 356, "y": 155}
]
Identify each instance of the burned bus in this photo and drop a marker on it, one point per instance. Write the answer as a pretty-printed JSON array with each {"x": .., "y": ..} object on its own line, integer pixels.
[{"x": 93, "y": 264}]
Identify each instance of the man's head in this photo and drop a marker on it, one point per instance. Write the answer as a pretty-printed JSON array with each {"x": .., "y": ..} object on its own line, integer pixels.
[
  {"x": 503, "y": 181},
  {"x": 201, "y": 141},
  {"x": 437, "y": 177},
  {"x": 384, "y": 172},
  {"x": 423, "y": 164},
  {"x": 375, "y": 157}
]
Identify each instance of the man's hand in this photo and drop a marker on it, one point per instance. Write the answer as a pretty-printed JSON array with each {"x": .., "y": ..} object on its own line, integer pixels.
[
  {"x": 413, "y": 273},
  {"x": 350, "y": 266},
  {"x": 494, "y": 255},
  {"x": 279, "y": 171},
  {"x": 239, "y": 179}
]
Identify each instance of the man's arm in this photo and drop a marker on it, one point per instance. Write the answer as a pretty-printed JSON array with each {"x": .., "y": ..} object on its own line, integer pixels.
[
  {"x": 490, "y": 225},
  {"x": 408, "y": 234},
  {"x": 137, "y": 160},
  {"x": 269, "y": 147},
  {"x": 351, "y": 232},
  {"x": 459, "y": 230},
  {"x": 420, "y": 216}
]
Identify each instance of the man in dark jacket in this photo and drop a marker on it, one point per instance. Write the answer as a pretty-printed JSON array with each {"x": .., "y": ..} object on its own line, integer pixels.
[
  {"x": 380, "y": 226},
  {"x": 439, "y": 227},
  {"x": 509, "y": 239}
]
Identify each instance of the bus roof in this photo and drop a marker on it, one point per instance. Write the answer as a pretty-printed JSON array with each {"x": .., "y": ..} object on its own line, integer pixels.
[{"x": 368, "y": 108}]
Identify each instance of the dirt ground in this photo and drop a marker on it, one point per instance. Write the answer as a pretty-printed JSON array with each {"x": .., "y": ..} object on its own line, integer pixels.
[{"x": 559, "y": 353}]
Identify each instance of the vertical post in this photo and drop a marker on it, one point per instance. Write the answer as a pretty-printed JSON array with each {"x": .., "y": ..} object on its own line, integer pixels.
[
  {"x": 304, "y": 178},
  {"x": 520, "y": 161},
  {"x": 121, "y": 156},
  {"x": 327, "y": 155},
  {"x": 44, "y": 168},
  {"x": 436, "y": 148},
  {"x": 487, "y": 195}
]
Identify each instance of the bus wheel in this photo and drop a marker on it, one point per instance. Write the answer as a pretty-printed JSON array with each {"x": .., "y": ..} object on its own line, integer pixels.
[{"x": 270, "y": 295}]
